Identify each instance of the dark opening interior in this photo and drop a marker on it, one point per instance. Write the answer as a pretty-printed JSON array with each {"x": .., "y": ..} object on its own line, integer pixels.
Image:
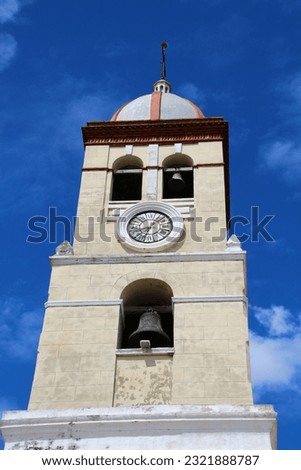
[
  {"x": 127, "y": 184},
  {"x": 139, "y": 296},
  {"x": 186, "y": 175}
]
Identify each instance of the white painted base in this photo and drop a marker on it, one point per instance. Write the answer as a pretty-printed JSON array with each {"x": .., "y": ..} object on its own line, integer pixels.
[{"x": 202, "y": 427}]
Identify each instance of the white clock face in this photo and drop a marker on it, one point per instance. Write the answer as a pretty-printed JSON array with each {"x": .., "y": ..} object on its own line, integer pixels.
[{"x": 149, "y": 227}]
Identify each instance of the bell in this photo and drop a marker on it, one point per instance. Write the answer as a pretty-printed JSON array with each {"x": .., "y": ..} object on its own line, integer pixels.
[
  {"x": 149, "y": 328},
  {"x": 176, "y": 182}
]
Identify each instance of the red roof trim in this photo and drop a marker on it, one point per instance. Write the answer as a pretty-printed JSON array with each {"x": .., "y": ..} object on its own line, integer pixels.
[{"x": 155, "y": 106}]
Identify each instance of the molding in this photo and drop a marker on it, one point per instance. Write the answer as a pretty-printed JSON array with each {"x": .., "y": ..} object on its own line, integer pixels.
[
  {"x": 157, "y": 131},
  {"x": 154, "y": 167},
  {"x": 143, "y": 352},
  {"x": 185, "y": 206},
  {"x": 82, "y": 303},
  {"x": 175, "y": 300},
  {"x": 148, "y": 258},
  {"x": 210, "y": 298}
]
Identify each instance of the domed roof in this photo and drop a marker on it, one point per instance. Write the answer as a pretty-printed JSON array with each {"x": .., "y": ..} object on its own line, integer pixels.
[{"x": 161, "y": 104}]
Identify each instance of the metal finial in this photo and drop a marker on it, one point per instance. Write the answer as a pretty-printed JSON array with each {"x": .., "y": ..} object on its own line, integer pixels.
[{"x": 163, "y": 61}]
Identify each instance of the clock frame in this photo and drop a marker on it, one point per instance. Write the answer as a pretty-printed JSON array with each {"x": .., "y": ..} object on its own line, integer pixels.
[{"x": 150, "y": 226}]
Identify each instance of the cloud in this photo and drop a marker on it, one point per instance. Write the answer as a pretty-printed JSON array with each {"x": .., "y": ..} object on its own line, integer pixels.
[
  {"x": 289, "y": 91},
  {"x": 277, "y": 319},
  {"x": 275, "y": 363},
  {"x": 19, "y": 329},
  {"x": 8, "y": 10},
  {"x": 191, "y": 91},
  {"x": 8, "y": 45},
  {"x": 283, "y": 156},
  {"x": 276, "y": 357},
  {"x": 51, "y": 113},
  {"x": 8, "y": 49}
]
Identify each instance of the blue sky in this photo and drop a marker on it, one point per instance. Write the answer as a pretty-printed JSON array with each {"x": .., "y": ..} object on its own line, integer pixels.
[{"x": 63, "y": 63}]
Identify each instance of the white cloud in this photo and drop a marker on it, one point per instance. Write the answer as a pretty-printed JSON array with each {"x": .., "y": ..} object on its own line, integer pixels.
[
  {"x": 8, "y": 10},
  {"x": 289, "y": 97},
  {"x": 277, "y": 319},
  {"x": 8, "y": 45},
  {"x": 276, "y": 357},
  {"x": 19, "y": 329},
  {"x": 191, "y": 91},
  {"x": 8, "y": 49},
  {"x": 58, "y": 110},
  {"x": 283, "y": 156},
  {"x": 276, "y": 362}
]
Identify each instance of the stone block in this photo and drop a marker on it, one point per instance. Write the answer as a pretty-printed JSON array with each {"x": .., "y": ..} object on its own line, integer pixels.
[
  {"x": 188, "y": 390},
  {"x": 189, "y": 332},
  {"x": 102, "y": 336},
  {"x": 75, "y": 378},
  {"x": 218, "y": 332},
  {"x": 61, "y": 337},
  {"x": 206, "y": 346}
]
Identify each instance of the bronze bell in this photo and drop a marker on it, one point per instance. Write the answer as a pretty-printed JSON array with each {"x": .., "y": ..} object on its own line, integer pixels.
[
  {"x": 176, "y": 182},
  {"x": 149, "y": 328}
]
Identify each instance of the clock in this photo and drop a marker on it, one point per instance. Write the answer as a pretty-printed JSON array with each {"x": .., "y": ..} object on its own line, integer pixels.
[{"x": 150, "y": 226}]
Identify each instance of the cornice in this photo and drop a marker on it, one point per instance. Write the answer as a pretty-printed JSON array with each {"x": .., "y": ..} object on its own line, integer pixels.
[
  {"x": 59, "y": 260},
  {"x": 160, "y": 131}
]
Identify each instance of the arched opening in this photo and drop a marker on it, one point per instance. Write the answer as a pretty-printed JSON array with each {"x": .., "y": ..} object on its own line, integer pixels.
[
  {"x": 127, "y": 179},
  {"x": 178, "y": 177},
  {"x": 142, "y": 296}
]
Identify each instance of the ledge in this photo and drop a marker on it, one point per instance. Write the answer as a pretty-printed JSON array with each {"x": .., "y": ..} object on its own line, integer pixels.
[
  {"x": 61, "y": 260},
  {"x": 143, "y": 352},
  {"x": 175, "y": 300},
  {"x": 143, "y": 427}
]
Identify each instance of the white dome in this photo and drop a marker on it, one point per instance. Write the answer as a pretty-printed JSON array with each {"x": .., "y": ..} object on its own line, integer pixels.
[{"x": 158, "y": 105}]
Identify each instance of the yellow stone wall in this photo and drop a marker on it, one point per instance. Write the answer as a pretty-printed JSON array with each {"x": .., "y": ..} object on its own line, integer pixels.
[
  {"x": 211, "y": 360},
  {"x": 94, "y": 199},
  {"x": 77, "y": 352},
  {"x": 79, "y": 364},
  {"x": 106, "y": 281},
  {"x": 143, "y": 380},
  {"x": 76, "y": 360}
]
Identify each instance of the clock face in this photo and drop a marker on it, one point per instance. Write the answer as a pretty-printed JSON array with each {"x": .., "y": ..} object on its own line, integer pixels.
[{"x": 149, "y": 227}]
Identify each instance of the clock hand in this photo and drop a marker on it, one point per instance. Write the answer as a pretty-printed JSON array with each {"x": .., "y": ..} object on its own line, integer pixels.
[
  {"x": 147, "y": 229},
  {"x": 150, "y": 226}
]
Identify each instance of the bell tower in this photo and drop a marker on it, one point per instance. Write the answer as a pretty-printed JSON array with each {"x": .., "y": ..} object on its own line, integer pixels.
[{"x": 145, "y": 338}]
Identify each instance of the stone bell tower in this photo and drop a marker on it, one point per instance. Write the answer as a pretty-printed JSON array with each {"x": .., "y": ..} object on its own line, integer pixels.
[{"x": 145, "y": 338}]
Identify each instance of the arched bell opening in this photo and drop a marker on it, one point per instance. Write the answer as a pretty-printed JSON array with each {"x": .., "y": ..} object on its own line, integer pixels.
[
  {"x": 178, "y": 177},
  {"x": 147, "y": 314},
  {"x": 127, "y": 179}
]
